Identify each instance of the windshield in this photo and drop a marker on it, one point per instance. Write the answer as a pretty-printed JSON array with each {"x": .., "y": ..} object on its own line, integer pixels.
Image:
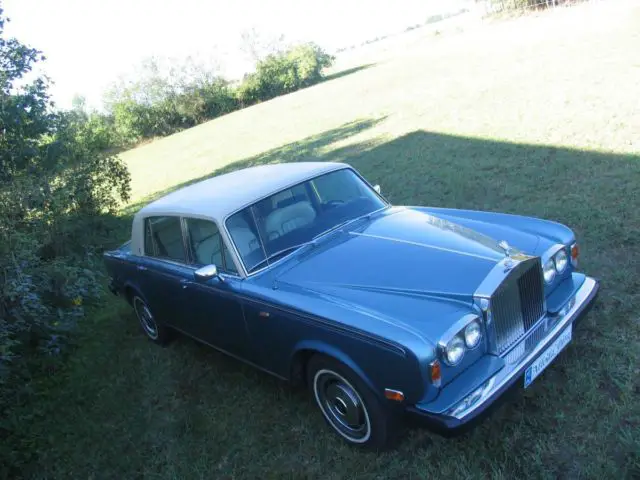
[{"x": 275, "y": 226}]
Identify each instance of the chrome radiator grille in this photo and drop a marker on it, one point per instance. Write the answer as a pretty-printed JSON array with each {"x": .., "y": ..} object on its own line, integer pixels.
[{"x": 517, "y": 305}]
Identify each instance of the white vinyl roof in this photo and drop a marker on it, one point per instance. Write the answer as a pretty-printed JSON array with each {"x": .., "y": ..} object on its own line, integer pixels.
[{"x": 219, "y": 196}]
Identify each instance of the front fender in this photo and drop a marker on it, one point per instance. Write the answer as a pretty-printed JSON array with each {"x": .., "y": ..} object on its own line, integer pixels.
[
  {"x": 377, "y": 367},
  {"x": 317, "y": 346}
]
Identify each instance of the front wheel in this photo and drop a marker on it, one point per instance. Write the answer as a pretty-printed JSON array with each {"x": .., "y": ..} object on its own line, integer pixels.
[
  {"x": 348, "y": 405},
  {"x": 156, "y": 332}
]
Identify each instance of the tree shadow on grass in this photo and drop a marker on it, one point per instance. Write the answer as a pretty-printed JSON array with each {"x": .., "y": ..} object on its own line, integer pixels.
[
  {"x": 348, "y": 71},
  {"x": 313, "y": 148},
  {"x": 573, "y": 186}
]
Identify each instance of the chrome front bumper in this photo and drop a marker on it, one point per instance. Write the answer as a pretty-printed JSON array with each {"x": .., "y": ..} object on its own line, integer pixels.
[{"x": 516, "y": 361}]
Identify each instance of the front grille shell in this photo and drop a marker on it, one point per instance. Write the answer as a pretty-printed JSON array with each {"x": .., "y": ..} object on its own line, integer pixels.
[{"x": 517, "y": 303}]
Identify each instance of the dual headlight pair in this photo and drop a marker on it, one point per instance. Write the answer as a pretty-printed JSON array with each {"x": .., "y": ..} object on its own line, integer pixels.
[
  {"x": 467, "y": 338},
  {"x": 470, "y": 335},
  {"x": 558, "y": 263}
]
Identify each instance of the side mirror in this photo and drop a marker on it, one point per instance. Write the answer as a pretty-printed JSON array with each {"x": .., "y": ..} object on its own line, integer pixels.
[
  {"x": 206, "y": 273},
  {"x": 376, "y": 188}
]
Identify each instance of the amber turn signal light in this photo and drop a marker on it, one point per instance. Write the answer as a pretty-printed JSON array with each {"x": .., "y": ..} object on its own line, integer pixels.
[
  {"x": 575, "y": 252},
  {"x": 394, "y": 395},
  {"x": 436, "y": 373}
]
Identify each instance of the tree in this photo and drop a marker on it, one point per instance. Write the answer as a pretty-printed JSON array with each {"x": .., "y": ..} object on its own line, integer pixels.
[
  {"x": 25, "y": 114},
  {"x": 56, "y": 187}
]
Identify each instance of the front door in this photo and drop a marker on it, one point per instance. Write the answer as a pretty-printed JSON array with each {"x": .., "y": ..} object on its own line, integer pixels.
[{"x": 216, "y": 315}]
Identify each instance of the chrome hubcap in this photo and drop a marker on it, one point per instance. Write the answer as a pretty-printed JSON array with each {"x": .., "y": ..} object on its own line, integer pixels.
[
  {"x": 145, "y": 318},
  {"x": 342, "y": 406}
]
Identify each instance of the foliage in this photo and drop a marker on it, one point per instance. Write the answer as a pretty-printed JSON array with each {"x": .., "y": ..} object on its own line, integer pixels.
[
  {"x": 505, "y": 5},
  {"x": 285, "y": 72},
  {"x": 157, "y": 104},
  {"x": 58, "y": 187},
  {"x": 24, "y": 114}
]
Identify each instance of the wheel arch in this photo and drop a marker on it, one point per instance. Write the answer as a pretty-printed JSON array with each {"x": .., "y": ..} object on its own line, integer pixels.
[
  {"x": 130, "y": 290},
  {"x": 306, "y": 349}
]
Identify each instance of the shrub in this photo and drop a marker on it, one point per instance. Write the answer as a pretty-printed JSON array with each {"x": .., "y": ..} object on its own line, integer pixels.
[
  {"x": 58, "y": 190},
  {"x": 155, "y": 105},
  {"x": 285, "y": 72}
]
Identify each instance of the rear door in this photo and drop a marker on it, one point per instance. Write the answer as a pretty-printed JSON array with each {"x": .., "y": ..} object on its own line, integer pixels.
[{"x": 165, "y": 269}]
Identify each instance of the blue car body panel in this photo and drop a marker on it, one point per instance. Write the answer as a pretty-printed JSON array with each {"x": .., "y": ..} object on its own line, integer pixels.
[{"x": 377, "y": 295}]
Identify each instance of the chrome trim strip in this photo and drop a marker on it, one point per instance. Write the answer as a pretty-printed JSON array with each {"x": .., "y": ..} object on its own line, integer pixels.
[
  {"x": 409, "y": 242},
  {"x": 508, "y": 372}
]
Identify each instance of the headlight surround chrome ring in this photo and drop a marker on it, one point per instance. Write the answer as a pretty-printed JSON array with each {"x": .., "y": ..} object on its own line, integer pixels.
[
  {"x": 561, "y": 260},
  {"x": 549, "y": 271}
]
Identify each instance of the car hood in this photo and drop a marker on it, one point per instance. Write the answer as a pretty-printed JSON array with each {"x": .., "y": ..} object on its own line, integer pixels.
[
  {"x": 405, "y": 267},
  {"x": 402, "y": 251}
]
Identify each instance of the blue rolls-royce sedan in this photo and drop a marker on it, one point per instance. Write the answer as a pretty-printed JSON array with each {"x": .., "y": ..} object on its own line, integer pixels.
[{"x": 305, "y": 271}]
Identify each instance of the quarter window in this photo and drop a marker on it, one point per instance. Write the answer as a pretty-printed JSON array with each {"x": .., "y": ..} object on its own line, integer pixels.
[
  {"x": 163, "y": 238},
  {"x": 207, "y": 245}
]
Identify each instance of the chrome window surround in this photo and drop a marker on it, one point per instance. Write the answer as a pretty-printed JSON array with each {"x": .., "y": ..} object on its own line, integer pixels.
[{"x": 189, "y": 261}]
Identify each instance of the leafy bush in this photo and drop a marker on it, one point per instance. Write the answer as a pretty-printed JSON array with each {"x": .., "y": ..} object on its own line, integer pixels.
[
  {"x": 298, "y": 67},
  {"x": 155, "y": 105},
  {"x": 58, "y": 191}
]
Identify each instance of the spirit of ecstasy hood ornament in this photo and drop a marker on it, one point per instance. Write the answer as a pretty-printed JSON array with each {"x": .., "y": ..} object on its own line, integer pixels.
[{"x": 506, "y": 247}]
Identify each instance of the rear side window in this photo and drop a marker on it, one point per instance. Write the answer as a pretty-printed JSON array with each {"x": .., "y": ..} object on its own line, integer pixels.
[{"x": 163, "y": 238}]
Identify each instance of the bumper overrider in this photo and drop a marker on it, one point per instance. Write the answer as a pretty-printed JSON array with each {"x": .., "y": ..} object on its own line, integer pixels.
[{"x": 451, "y": 417}]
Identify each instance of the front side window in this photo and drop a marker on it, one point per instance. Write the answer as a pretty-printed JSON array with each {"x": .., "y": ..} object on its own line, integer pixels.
[
  {"x": 207, "y": 245},
  {"x": 163, "y": 238},
  {"x": 276, "y": 225}
]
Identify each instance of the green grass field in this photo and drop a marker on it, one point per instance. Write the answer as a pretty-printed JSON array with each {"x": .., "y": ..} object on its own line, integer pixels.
[{"x": 537, "y": 116}]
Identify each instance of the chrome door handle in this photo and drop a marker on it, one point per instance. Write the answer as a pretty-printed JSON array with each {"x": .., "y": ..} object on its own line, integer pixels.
[
  {"x": 184, "y": 283},
  {"x": 142, "y": 268}
]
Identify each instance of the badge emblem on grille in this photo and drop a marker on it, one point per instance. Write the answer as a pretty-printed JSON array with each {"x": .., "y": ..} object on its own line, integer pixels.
[{"x": 508, "y": 264}]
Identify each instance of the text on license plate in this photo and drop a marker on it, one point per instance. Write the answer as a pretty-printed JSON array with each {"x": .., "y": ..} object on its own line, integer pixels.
[{"x": 547, "y": 356}]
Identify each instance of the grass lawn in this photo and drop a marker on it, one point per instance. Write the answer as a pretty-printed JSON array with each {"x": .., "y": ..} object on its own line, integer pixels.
[{"x": 537, "y": 116}]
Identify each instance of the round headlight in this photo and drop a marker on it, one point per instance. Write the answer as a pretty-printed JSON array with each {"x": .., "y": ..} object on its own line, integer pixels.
[
  {"x": 472, "y": 334},
  {"x": 549, "y": 271},
  {"x": 561, "y": 260},
  {"x": 454, "y": 351}
]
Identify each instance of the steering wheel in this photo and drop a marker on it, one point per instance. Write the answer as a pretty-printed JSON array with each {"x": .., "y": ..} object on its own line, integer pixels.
[{"x": 335, "y": 203}]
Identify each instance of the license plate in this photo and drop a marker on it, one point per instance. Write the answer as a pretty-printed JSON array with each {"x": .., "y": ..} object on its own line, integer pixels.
[{"x": 547, "y": 357}]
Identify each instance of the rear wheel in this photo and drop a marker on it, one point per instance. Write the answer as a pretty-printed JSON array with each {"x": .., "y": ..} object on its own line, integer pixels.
[
  {"x": 348, "y": 405},
  {"x": 155, "y": 331}
]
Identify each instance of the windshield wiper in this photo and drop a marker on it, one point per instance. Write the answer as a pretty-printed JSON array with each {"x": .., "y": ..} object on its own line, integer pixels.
[
  {"x": 278, "y": 254},
  {"x": 341, "y": 224}
]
